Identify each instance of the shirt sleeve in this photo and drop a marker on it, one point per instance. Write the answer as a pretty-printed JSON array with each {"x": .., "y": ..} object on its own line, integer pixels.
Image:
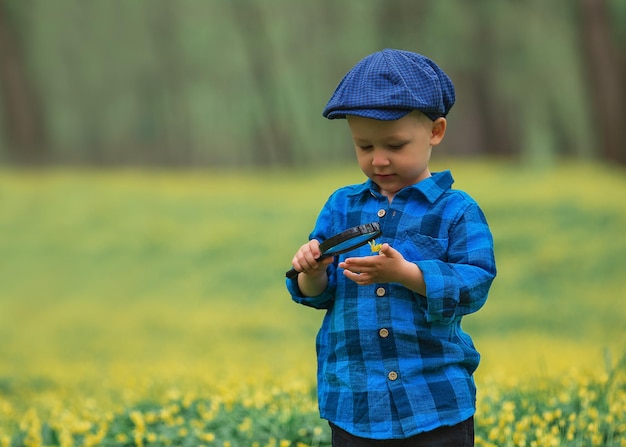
[
  {"x": 324, "y": 228},
  {"x": 459, "y": 285},
  {"x": 323, "y": 300}
]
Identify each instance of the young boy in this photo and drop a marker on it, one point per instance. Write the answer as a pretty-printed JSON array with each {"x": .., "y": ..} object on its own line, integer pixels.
[{"x": 394, "y": 366}]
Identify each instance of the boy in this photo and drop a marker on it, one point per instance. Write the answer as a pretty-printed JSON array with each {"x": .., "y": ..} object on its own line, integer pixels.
[{"x": 394, "y": 366}]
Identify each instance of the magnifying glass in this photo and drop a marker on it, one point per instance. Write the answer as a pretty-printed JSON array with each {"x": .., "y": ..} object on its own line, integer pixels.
[{"x": 345, "y": 241}]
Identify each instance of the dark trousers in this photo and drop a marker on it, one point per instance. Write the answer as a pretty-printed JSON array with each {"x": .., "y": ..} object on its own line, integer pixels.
[{"x": 460, "y": 435}]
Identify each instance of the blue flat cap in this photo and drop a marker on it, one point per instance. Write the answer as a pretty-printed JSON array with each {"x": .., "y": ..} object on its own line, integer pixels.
[{"x": 389, "y": 84}]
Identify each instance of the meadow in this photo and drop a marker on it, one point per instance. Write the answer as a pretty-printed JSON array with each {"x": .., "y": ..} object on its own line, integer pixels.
[{"x": 148, "y": 308}]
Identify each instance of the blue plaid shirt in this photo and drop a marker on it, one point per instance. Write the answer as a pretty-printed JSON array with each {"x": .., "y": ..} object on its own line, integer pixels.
[{"x": 393, "y": 363}]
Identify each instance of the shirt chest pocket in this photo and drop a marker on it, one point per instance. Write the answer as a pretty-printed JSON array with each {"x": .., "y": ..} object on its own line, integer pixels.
[{"x": 418, "y": 247}]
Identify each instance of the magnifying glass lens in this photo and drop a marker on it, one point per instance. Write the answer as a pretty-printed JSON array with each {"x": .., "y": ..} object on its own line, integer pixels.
[{"x": 350, "y": 243}]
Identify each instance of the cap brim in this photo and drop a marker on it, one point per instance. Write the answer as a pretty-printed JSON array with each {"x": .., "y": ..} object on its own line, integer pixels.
[{"x": 376, "y": 114}]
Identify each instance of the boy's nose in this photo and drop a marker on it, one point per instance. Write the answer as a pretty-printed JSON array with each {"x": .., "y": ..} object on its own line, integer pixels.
[{"x": 380, "y": 159}]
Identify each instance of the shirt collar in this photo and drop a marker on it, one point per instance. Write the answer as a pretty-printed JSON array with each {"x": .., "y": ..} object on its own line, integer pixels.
[{"x": 431, "y": 188}]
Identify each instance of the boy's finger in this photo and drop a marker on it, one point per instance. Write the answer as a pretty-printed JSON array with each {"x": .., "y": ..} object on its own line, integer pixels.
[
  {"x": 387, "y": 250},
  {"x": 314, "y": 246}
]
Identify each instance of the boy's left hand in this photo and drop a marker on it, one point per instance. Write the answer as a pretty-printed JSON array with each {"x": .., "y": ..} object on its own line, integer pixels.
[{"x": 386, "y": 266}]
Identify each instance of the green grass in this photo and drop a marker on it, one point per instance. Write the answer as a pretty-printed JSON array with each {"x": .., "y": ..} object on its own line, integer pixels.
[
  {"x": 168, "y": 260},
  {"x": 121, "y": 286}
]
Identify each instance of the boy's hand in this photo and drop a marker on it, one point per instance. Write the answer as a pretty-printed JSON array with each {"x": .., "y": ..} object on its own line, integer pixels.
[
  {"x": 388, "y": 266},
  {"x": 305, "y": 260},
  {"x": 313, "y": 279}
]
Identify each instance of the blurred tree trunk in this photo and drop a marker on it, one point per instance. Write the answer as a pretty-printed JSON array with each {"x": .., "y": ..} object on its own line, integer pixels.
[
  {"x": 176, "y": 147},
  {"x": 272, "y": 141},
  {"x": 606, "y": 71},
  {"x": 23, "y": 118},
  {"x": 398, "y": 19},
  {"x": 495, "y": 118}
]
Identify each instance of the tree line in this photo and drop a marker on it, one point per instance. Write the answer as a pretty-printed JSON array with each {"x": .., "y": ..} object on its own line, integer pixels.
[{"x": 243, "y": 82}]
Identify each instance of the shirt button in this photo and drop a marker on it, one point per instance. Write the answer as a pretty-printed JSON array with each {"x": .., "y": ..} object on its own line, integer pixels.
[
  {"x": 381, "y": 291},
  {"x": 384, "y": 333},
  {"x": 381, "y": 213},
  {"x": 392, "y": 375}
]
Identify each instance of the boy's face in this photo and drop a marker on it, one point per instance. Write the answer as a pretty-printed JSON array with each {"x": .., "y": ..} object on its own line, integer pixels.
[{"x": 395, "y": 154}]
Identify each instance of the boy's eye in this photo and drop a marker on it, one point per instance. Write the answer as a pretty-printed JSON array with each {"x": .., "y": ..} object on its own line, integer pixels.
[
  {"x": 364, "y": 147},
  {"x": 397, "y": 146}
]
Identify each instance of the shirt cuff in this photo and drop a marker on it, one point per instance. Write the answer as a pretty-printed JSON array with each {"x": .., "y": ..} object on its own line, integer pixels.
[
  {"x": 440, "y": 292},
  {"x": 321, "y": 301}
]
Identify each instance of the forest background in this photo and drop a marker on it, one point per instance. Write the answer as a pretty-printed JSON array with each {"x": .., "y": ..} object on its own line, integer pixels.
[
  {"x": 161, "y": 161},
  {"x": 242, "y": 82}
]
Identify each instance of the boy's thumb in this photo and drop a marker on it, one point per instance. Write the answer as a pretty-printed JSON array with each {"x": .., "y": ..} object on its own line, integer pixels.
[{"x": 387, "y": 250}]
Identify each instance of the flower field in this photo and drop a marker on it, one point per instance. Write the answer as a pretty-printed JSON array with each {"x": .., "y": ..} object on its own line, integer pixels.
[
  {"x": 148, "y": 308},
  {"x": 574, "y": 410}
]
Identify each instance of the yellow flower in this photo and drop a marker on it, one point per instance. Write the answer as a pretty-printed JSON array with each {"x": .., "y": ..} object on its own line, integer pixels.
[
  {"x": 374, "y": 246},
  {"x": 207, "y": 437},
  {"x": 138, "y": 420},
  {"x": 245, "y": 425}
]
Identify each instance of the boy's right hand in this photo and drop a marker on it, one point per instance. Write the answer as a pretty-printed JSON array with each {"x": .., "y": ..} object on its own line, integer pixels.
[{"x": 306, "y": 259}]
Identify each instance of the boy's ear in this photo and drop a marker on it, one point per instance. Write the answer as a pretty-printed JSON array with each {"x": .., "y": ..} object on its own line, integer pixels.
[{"x": 438, "y": 131}]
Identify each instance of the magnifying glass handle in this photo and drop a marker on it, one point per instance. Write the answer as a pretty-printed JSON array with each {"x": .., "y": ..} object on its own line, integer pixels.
[{"x": 291, "y": 274}]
